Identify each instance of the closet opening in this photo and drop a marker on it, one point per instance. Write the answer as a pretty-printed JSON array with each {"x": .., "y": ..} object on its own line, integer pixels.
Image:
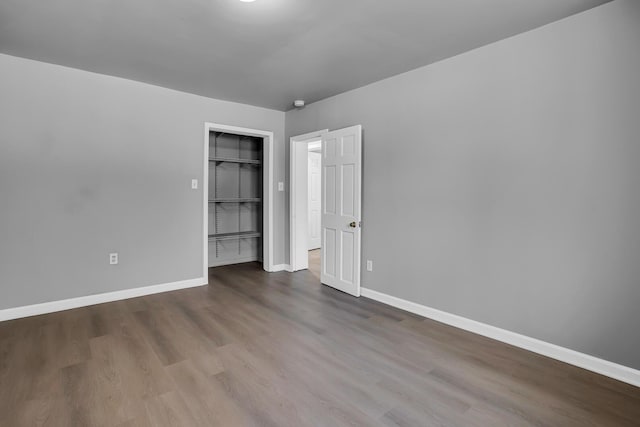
[{"x": 238, "y": 196}]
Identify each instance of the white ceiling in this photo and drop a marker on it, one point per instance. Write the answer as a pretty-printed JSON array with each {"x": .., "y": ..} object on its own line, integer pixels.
[{"x": 265, "y": 53}]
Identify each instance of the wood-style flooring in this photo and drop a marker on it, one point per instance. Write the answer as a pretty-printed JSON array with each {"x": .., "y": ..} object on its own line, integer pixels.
[{"x": 259, "y": 349}]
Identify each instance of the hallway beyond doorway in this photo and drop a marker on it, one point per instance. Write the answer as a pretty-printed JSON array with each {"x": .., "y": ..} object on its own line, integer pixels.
[{"x": 314, "y": 262}]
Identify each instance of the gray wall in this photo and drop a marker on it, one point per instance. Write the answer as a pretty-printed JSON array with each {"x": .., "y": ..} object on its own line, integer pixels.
[
  {"x": 503, "y": 185},
  {"x": 91, "y": 164}
]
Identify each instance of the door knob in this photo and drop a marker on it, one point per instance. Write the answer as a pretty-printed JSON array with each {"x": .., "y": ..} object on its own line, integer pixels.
[{"x": 352, "y": 224}]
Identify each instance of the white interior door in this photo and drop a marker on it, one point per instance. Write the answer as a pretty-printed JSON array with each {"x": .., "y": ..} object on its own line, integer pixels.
[
  {"x": 341, "y": 209},
  {"x": 315, "y": 187}
]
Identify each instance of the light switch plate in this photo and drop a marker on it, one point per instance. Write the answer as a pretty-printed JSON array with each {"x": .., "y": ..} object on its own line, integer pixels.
[
  {"x": 194, "y": 184},
  {"x": 113, "y": 258},
  {"x": 281, "y": 186},
  {"x": 369, "y": 265}
]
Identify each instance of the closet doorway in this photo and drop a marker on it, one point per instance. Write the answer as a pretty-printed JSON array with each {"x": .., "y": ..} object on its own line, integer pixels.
[{"x": 237, "y": 196}]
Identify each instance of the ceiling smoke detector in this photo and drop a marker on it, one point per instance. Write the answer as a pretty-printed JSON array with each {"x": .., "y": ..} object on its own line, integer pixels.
[{"x": 298, "y": 103}]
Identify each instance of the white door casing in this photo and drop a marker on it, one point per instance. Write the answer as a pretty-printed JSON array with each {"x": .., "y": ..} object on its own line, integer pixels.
[
  {"x": 314, "y": 205},
  {"x": 341, "y": 209}
]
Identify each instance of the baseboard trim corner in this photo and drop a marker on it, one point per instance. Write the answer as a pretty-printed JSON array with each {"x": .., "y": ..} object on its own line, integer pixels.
[
  {"x": 572, "y": 357},
  {"x": 280, "y": 267},
  {"x": 83, "y": 301}
]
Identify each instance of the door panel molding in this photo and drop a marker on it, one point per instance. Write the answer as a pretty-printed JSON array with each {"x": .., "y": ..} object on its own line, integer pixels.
[{"x": 342, "y": 209}]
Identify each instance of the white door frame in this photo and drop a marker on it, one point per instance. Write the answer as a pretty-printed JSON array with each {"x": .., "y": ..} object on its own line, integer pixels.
[
  {"x": 295, "y": 143},
  {"x": 267, "y": 192},
  {"x": 315, "y": 227}
]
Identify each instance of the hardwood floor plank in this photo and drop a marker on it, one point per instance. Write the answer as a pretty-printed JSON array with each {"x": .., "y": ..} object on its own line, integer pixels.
[
  {"x": 160, "y": 334},
  {"x": 169, "y": 410},
  {"x": 41, "y": 412},
  {"x": 142, "y": 372},
  {"x": 206, "y": 399}
]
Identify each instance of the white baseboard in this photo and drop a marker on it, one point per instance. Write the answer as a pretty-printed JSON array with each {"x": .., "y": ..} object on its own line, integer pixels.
[
  {"x": 67, "y": 304},
  {"x": 280, "y": 267},
  {"x": 585, "y": 361}
]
